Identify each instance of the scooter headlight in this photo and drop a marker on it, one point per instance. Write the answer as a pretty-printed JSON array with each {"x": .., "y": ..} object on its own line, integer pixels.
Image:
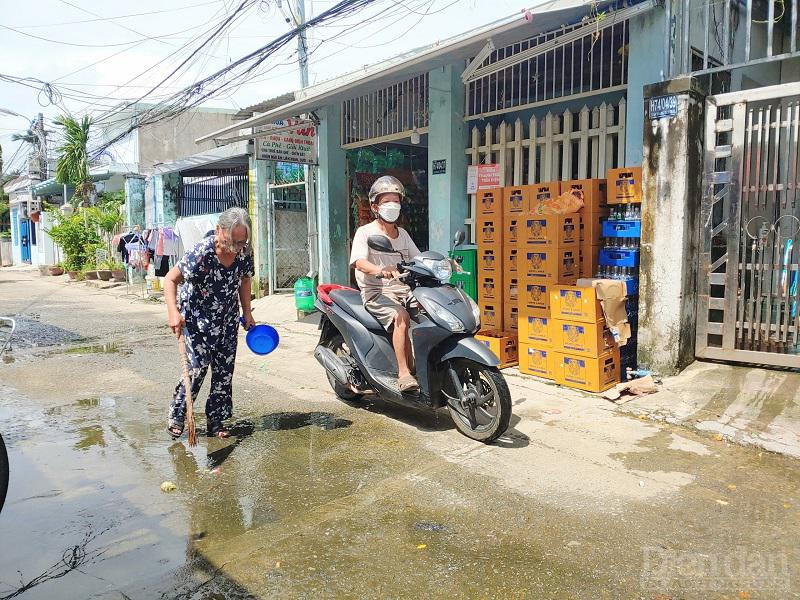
[
  {"x": 441, "y": 314},
  {"x": 442, "y": 269}
]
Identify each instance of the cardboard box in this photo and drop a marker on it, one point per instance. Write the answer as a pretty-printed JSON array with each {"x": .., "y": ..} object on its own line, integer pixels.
[
  {"x": 503, "y": 345},
  {"x": 490, "y": 202},
  {"x": 560, "y": 230},
  {"x": 540, "y": 192},
  {"x": 573, "y": 303},
  {"x": 511, "y": 318},
  {"x": 490, "y": 289},
  {"x": 536, "y": 330},
  {"x": 582, "y": 339},
  {"x": 624, "y": 185},
  {"x": 534, "y": 297},
  {"x": 489, "y": 231},
  {"x": 510, "y": 256},
  {"x": 491, "y": 315},
  {"x": 590, "y": 374},
  {"x": 516, "y": 201},
  {"x": 612, "y": 294},
  {"x": 490, "y": 261},
  {"x": 534, "y": 360},
  {"x": 510, "y": 291},
  {"x": 588, "y": 259},
  {"x": 511, "y": 230},
  {"x": 593, "y": 192},
  {"x": 591, "y": 229},
  {"x": 550, "y": 264}
]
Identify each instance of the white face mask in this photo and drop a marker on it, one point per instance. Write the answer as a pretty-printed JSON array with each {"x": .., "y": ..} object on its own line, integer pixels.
[{"x": 390, "y": 211}]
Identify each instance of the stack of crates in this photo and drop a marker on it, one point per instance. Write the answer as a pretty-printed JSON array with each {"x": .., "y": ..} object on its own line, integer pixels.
[
  {"x": 494, "y": 296},
  {"x": 548, "y": 248},
  {"x": 619, "y": 257},
  {"x": 595, "y": 210},
  {"x": 489, "y": 231}
]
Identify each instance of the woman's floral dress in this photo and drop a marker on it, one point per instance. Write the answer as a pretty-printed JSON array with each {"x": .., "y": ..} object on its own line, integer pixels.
[{"x": 209, "y": 303}]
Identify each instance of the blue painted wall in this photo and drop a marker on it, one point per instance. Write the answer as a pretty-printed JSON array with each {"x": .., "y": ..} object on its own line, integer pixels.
[
  {"x": 645, "y": 66},
  {"x": 333, "y": 206},
  {"x": 448, "y": 204}
]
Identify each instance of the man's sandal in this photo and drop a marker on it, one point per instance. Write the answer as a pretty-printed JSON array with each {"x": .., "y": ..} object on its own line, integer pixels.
[{"x": 408, "y": 384}]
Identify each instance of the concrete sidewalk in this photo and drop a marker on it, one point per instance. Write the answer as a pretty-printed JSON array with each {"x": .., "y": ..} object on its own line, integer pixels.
[{"x": 744, "y": 405}]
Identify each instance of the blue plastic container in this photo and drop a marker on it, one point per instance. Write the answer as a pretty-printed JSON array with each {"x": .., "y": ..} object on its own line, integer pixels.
[
  {"x": 632, "y": 286},
  {"x": 261, "y": 339},
  {"x": 622, "y": 229},
  {"x": 618, "y": 257}
]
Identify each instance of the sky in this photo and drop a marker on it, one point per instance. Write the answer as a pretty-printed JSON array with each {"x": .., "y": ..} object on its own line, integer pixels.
[{"x": 99, "y": 53}]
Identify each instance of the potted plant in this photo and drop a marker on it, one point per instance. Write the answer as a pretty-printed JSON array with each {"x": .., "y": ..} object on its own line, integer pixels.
[
  {"x": 89, "y": 271},
  {"x": 72, "y": 269},
  {"x": 117, "y": 271},
  {"x": 104, "y": 270},
  {"x": 56, "y": 270}
]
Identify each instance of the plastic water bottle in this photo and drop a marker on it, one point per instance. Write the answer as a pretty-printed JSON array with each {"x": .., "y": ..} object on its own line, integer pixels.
[{"x": 304, "y": 294}]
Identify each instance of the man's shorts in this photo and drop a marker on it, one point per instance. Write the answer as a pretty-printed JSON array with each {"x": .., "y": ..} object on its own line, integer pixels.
[{"x": 384, "y": 307}]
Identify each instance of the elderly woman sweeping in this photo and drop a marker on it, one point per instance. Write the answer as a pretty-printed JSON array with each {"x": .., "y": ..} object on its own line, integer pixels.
[{"x": 215, "y": 277}]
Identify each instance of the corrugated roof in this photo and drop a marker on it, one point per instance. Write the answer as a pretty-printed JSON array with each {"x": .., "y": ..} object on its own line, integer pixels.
[{"x": 264, "y": 106}]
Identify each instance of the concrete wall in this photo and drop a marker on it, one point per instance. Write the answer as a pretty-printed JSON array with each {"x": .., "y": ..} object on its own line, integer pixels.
[
  {"x": 672, "y": 173},
  {"x": 134, "y": 201},
  {"x": 173, "y": 139},
  {"x": 16, "y": 249}
]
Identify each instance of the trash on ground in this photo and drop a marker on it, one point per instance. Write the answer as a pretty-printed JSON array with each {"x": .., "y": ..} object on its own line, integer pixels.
[
  {"x": 168, "y": 486},
  {"x": 629, "y": 390}
]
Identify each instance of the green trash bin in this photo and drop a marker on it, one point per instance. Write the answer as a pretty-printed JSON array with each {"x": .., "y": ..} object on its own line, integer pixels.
[{"x": 467, "y": 257}]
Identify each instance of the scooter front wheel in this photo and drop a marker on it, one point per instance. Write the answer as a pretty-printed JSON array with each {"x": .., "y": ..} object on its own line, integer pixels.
[{"x": 478, "y": 399}]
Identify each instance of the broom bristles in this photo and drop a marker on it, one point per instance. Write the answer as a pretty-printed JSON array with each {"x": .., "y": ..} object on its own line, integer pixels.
[{"x": 187, "y": 387}]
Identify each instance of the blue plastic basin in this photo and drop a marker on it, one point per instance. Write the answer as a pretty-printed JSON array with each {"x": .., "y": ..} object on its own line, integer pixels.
[{"x": 262, "y": 339}]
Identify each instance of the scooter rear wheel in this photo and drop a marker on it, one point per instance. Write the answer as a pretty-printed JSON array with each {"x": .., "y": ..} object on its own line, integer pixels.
[
  {"x": 339, "y": 347},
  {"x": 486, "y": 389}
]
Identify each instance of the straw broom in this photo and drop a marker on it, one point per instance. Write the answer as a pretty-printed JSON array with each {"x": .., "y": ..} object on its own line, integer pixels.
[{"x": 187, "y": 385}]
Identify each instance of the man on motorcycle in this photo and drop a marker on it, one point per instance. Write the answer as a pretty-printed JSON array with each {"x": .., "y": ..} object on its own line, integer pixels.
[{"x": 383, "y": 292}]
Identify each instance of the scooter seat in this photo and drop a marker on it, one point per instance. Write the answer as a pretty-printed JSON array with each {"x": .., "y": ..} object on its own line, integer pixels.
[{"x": 350, "y": 301}]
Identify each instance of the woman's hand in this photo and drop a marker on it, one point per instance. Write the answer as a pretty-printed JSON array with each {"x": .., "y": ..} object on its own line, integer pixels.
[
  {"x": 176, "y": 322},
  {"x": 249, "y": 322}
]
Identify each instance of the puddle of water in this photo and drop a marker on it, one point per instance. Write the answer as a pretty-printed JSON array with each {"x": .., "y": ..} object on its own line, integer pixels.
[
  {"x": 109, "y": 348},
  {"x": 88, "y": 402}
]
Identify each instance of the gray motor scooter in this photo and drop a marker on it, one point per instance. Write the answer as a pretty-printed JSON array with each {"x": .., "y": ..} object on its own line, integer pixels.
[{"x": 452, "y": 367}]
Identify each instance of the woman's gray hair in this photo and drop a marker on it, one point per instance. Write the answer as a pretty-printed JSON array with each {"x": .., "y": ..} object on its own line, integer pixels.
[{"x": 236, "y": 216}]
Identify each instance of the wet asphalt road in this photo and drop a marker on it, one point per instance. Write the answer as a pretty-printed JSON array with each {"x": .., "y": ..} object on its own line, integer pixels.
[{"x": 314, "y": 498}]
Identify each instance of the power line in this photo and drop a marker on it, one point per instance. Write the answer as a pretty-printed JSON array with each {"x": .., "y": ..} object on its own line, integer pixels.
[
  {"x": 128, "y": 16},
  {"x": 63, "y": 43}
]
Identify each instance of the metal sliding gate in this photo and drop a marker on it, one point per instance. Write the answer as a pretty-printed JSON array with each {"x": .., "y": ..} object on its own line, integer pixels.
[
  {"x": 289, "y": 239},
  {"x": 748, "y": 295}
]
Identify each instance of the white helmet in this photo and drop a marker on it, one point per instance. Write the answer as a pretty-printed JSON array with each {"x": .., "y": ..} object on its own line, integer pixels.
[{"x": 386, "y": 184}]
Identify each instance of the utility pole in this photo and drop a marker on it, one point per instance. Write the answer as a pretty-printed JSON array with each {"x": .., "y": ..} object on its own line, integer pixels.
[
  {"x": 310, "y": 171},
  {"x": 302, "y": 43}
]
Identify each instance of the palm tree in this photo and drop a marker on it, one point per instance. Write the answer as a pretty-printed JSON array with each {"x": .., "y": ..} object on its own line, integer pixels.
[{"x": 73, "y": 159}]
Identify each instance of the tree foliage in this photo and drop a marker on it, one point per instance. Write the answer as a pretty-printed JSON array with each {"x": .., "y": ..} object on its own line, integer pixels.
[{"x": 72, "y": 167}]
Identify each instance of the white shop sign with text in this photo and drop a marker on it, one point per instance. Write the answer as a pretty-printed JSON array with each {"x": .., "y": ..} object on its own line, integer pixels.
[{"x": 295, "y": 145}]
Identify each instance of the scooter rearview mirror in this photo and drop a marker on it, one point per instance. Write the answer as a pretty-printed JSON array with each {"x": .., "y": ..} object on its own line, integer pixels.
[
  {"x": 459, "y": 238},
  {"x": 380, "y": 243}
]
